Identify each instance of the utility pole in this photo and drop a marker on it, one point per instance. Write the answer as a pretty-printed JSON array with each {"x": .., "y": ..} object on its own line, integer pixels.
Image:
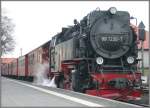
[
  {"x": 20, "y": 51},
  {"x": 142, "y": 56}
]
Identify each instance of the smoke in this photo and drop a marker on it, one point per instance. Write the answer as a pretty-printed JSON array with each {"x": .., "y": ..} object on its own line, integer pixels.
[{"x": 40, "y": 75}]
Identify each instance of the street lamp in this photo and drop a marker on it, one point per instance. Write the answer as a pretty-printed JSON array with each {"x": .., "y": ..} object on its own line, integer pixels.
[{"x": 141, "y": 33}]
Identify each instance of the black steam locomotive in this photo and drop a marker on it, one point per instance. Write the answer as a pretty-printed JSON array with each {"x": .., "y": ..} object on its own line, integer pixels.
[{"x": 98, "y": 56}]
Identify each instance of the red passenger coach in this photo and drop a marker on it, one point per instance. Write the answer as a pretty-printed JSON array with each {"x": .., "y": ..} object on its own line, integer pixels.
[
  {"x": 26, "y": 66},
  {"x": 15, "y": 68},
  {"x": 6, "y": 66},
  {"x": 45, "y": 54},
  {"x": 4, "y": 70},
  {"x": 9, "y": 69},
  {"x": 34, "y": 58},
  {"x": 21, "y": 67},
  {"x": 30, "y": 63}
]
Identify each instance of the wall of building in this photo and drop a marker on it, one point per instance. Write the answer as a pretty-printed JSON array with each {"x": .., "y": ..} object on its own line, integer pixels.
[{"x": 146, "y": 58}]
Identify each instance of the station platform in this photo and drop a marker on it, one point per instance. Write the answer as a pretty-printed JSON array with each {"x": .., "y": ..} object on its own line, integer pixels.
[{"x": 17, "y": 93}]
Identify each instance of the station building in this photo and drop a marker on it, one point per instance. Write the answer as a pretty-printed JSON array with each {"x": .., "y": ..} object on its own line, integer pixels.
[{"x": 146, "y": 50}]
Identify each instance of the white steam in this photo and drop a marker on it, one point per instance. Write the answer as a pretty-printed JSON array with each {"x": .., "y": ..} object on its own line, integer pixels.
[{"x": 40, "y": 75}]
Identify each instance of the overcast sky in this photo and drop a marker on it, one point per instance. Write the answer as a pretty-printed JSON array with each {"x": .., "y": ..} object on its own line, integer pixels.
[{"x": 37, "y": 21}]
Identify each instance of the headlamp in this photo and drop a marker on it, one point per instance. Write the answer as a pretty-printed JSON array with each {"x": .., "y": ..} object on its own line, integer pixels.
[
  {"x": 113, "y": 10},
  {"x": 99, "y": 60},
  {"x": 130, "y": 60}
]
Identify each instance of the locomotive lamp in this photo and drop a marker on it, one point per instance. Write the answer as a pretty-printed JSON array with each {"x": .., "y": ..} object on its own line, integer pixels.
[
  {"x": 130, "y": 60},
  {"x": 113, "y": 10},
  {"x": 84, "y": 35},
  {"x": 134, "y": 18},
  {"x": 99, "y": 60}
]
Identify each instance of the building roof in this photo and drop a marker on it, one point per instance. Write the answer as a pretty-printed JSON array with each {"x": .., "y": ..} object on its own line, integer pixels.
[
  {"x": 7, "y": 60},
  {"x": 146, "y": 42}
]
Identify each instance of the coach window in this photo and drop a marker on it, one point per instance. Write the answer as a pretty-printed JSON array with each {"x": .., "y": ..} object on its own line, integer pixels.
[
  {"x": 33, "y": 59},
  {"x": 21, "y": 62},
  {"x": 30, "y": 59}
]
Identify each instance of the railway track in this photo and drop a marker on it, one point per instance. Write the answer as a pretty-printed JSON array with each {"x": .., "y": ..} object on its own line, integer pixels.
[
  {"x": 143, "y": 105},
  {"x": 144, "y": 102},
  {"x": 146, "y": 90}
]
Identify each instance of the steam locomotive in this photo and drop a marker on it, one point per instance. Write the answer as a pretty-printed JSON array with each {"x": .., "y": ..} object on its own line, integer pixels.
[{"x": 98, "y": 56}]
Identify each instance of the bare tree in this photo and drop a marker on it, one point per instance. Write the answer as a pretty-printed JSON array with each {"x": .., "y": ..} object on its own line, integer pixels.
[{"x": 7, "y": 42}]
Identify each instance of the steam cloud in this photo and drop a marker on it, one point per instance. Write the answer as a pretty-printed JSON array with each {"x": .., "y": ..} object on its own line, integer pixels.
[{"x": 40, "y": 75}]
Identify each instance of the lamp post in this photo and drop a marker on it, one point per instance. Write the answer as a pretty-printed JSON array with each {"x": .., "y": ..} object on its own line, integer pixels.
[{"x": 141, "y": 32}]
